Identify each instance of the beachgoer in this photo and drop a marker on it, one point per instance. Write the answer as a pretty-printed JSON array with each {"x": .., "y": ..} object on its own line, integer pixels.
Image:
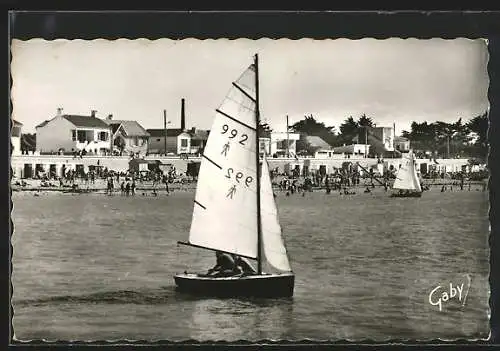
[{"x": 224, "y": 266}]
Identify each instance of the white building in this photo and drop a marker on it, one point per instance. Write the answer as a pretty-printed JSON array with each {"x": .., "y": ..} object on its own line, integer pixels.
[
  {"x": 279, "y": 141},
  {"x": 401, "y": 144},
  {"x": 353, "y": 149},
  {"x": 69, "y": 133},
  {"x": 15, "y": 137}
]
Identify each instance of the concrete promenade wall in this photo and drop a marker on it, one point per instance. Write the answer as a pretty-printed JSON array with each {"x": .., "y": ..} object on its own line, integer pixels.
[{"x": 118, "y": 163}]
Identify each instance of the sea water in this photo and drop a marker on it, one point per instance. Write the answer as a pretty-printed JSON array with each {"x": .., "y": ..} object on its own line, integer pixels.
[{"x": 97, "y": 267}]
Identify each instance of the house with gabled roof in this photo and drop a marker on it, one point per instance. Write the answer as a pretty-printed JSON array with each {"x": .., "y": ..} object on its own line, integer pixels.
[
  {"x": 67, "y": 134},
  {"x": 128, "y": 137}
]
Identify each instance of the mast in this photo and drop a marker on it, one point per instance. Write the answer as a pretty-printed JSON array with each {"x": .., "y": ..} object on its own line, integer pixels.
[{"x": 257, "y": 163}]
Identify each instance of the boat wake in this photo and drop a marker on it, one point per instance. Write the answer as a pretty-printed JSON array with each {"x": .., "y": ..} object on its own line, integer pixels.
[{"x": 159, "y": 296}]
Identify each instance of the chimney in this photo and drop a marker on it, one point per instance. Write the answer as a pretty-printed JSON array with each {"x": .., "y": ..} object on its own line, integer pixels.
[
  {"x": 59, "y": 111},
  {"x": 183, "y": 116},
  {"x": 110, "y": 117},
  {"x": 92, "y": 113}
]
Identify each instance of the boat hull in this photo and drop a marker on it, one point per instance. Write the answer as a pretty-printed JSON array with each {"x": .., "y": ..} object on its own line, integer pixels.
[
  {"x": 265, "y": 285},
  {"x": 411, "y": 194}
]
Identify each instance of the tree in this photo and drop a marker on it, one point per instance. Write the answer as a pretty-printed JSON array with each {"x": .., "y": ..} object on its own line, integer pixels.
[
  {"x": 348, "y": 130},
  {"x": 303, "y": 146},
  {"x": 479, "y": 127},
  {"x": 364, "y": 121},
  {"x": 28, "y": 142},
  {"x": 310, "y": 126},
  {"x": 120, "y": 144},
  {"x": 449, "y": 139},
  {"x": 264, "y": 130}
]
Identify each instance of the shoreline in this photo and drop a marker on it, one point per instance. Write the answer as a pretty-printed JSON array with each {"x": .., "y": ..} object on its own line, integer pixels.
[{"x": 102, "y": 188}]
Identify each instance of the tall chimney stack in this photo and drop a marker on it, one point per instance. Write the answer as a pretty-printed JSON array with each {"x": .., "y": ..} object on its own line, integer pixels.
[
  {"x": 183, "y": 116},
  {"x": 59, "y": 111}
]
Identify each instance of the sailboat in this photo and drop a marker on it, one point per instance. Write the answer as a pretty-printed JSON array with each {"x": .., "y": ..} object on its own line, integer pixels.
[
  {"x": 234, "y": 208},
  {"x": 407, "y": 183}
]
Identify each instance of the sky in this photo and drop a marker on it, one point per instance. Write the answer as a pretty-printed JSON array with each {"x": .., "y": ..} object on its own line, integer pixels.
[{"x": 392, "y": 81}]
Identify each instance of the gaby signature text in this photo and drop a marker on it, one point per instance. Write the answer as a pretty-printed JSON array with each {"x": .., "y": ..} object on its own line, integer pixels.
[{"x": 442, "y": 294}]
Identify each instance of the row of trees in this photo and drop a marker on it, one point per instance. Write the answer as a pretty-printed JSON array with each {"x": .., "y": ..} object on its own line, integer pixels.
[{"x": 457, "y": 139}]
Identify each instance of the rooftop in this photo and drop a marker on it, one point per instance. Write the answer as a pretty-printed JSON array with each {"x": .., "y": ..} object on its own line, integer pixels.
[
  {"x": 316, "y": 141},
  {"x": 171, "y": 132},
  {"x": 86, "y": 121},
  {"x": 400, "y": 138},
  {"x": 131, "y": 128}
]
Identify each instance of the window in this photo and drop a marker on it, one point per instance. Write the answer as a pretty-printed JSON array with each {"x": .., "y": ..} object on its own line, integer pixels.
[
  {"x": 184, "y": 142},
  {"x": 102, "y": 136},
  {"x": 73, "y": 135},
  {"x": 81, "y": 136}
]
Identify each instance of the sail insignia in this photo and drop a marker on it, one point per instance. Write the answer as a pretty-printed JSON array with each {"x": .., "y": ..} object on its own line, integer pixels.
[{"x": 227, "y": 177}]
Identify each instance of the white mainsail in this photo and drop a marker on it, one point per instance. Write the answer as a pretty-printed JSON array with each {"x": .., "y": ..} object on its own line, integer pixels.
[
  {"x": 272, "y": 239},
  {"x": 406, "y": 177},
  {"x": 225, "y": 210}
]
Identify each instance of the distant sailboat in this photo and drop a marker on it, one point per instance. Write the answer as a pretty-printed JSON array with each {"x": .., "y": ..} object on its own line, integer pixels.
[
  {"x": 407, "y": 183},
  {"x": 235, "y": 211}
]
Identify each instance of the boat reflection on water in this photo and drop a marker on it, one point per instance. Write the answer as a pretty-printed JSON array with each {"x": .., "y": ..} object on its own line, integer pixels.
[{"x": 240, "y": 319}]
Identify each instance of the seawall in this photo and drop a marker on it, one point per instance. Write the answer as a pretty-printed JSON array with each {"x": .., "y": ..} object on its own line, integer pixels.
[{"x": 21, "y": 163}]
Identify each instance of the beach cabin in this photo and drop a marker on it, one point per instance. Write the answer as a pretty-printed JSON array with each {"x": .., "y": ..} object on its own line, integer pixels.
[{"x": 141, "y": 165}]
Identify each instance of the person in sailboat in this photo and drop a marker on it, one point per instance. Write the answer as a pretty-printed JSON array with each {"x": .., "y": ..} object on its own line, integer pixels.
[
  {"x": 243, "y": 265},
  {"x": 225, "y": 265}
]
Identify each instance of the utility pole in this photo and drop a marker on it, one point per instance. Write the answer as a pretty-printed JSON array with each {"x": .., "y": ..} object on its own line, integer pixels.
[
  {"x": 287, "y": 139},
  {"x": 366, "y": 142},
  {"x": 394, "y": 138},
  {"x": 165, "y": 128}
]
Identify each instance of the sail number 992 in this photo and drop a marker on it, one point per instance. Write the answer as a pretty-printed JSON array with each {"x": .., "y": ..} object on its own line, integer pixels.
[
  {"x": 234, "y": 133},
  {"x": 239, "y": 177}
]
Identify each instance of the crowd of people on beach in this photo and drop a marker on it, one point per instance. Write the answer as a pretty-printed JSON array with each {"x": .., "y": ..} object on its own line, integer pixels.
[
  {"x": 346, "y": 180},
  {"x": 102, "y": 178}
]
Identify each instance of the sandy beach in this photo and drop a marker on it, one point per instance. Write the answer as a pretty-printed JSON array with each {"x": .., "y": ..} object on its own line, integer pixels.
[{"x": 99, "y": 186}]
